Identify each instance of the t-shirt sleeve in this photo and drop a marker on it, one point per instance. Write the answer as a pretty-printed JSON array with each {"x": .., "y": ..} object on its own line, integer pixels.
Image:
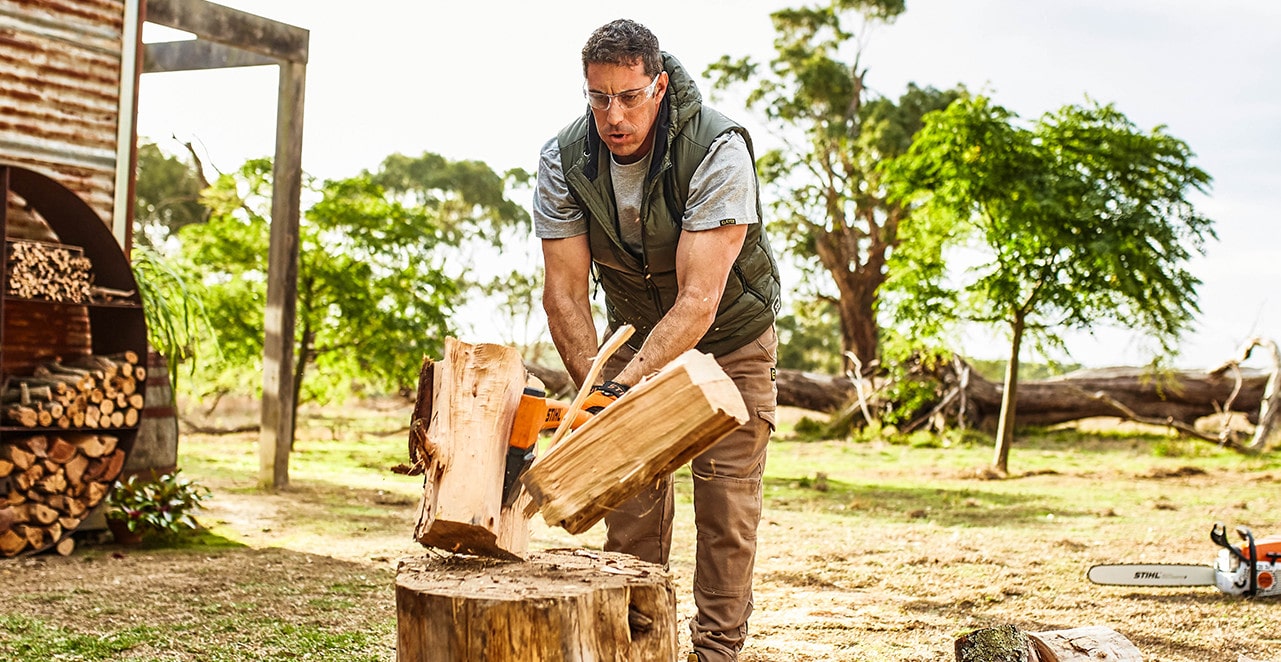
[
  {"x": 556, "y": 212},
  {"x": 722, "y": 190}
]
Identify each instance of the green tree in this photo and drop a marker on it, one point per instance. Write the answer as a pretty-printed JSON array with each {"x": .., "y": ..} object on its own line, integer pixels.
[
  {"x": 830, "y": 201},
  {"x": 166, "y": 194},
  {"x": 1076, "y": 219},
  {"x": 374, "y": 291}
]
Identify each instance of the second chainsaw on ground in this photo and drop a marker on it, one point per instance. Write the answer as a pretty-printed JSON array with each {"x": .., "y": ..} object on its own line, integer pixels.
[{"x": 1249, "y": 569}]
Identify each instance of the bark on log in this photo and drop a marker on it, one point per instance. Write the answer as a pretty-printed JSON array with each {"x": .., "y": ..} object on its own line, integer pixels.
[
  {"x": 561, "y": 605},
  {"x": 1183, "y": 396},
  {"x": 813, "y": 391},
  {"x": 1007, "y": 643},
  {"x": 657, "y": 426},
  {"x": 459, "y": 435}
]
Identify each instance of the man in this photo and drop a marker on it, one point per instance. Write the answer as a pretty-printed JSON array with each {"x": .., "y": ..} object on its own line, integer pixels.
[{"x": 656, "y": 195}]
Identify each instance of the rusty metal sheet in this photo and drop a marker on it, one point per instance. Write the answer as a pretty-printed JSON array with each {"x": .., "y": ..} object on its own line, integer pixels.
[{"x": 60, "y": 68}]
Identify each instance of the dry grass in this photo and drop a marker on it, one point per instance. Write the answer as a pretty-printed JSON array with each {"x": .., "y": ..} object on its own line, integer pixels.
[{"x": 904, "y": 548}]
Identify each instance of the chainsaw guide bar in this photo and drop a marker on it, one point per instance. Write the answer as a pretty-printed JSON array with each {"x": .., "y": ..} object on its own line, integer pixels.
[{"x": 1152, "y": 574}]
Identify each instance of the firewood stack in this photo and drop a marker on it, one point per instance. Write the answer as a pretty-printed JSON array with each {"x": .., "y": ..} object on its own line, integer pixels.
[
  {"x": 92, "y": 391},
  {"x": 48, "y": 484},
  {"x": 45, "y": 270}
]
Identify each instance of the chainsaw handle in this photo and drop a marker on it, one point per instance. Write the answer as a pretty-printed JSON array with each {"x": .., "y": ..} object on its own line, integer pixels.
[
  {"x": 1248, "y": 537},
  {"x": 1219, "y": 535}
]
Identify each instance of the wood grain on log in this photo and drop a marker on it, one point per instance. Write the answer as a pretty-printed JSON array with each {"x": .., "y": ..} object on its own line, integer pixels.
[
  {"x": 657, "y": 426},
  {"x": 560, "y": 605},
  {"x": 460, "y": 444}
]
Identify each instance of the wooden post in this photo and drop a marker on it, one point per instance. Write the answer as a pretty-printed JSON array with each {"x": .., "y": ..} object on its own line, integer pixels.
[
  {"x": 659, "y": 425},
  {"x": 459, "y": 436},
  {"x": 560, "y": 606},
  {"x": 279, "y": 390}
]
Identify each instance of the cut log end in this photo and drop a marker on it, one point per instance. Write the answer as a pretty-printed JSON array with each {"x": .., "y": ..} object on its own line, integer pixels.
[{"x": 559, "y": 605}]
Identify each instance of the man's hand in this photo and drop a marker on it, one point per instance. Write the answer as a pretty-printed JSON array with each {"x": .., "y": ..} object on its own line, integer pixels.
[{"x": 603, "y": 395}]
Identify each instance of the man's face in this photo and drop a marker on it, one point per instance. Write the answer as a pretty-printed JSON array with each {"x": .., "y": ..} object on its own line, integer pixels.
[{"x": 627, "y": 132}]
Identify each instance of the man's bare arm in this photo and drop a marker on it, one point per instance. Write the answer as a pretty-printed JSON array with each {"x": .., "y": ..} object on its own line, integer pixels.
[
  {"x": 703, "y": 262},
  {"x": 567, "y": 302}
]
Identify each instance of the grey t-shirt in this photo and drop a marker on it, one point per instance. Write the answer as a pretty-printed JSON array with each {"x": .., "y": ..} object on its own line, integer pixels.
[{"x": 722, "y": 187}]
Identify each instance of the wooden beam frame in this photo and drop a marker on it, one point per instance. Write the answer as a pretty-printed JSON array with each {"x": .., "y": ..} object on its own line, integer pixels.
[{"x": 228, "y": 37}]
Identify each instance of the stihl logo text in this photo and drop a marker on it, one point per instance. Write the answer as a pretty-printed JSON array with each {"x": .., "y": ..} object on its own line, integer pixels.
[{"x": 1141, "y": 574}]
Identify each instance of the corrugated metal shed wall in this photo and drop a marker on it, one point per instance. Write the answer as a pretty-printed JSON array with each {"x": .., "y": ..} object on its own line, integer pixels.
[{"x": 60, "y": 63}]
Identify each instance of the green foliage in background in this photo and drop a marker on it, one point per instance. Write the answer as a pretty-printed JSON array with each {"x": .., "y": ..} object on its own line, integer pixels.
[
  {"x": 809, "y": 338},
  {"x": 166, "y": 195},
  {"x": 378, "y": 277},
  {"x": 829, "y": 201},
  {"x": 1078, "y": 218},
  {"x": 173, "y": 304}
]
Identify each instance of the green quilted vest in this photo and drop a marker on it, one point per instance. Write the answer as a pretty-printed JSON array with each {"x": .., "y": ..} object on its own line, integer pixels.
[{"x": 641, "y": 288}]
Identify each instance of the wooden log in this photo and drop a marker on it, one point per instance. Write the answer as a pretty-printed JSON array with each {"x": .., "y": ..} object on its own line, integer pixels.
[
  {"x": 65, "y": 546},
  {"x": 1007, "y": 643},
  {"x": 43, "y": 514},
  {"x": 11, "y": 543},
  {"x": 560, "y": 605},
  {"x": 25, "y": 416},
  {"x": 75, "y": 469},
  {"x": 1084, "y": 643},
  {"x": 459, "y": 436},
  {"x": 91, "y": 445},
  {"x": 55, "y": 483},
  {"x": 6, "y": 467},
  {"x": 663, "y": 422},
  {"x": 21, "y": 458},
  {"x": 1003, "y": 643}
]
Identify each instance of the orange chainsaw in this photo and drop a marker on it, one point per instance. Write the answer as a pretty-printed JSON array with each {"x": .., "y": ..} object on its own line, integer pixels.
[
  {"x": 1249, "y": 569},
  {"x": 535, "y": 414}
]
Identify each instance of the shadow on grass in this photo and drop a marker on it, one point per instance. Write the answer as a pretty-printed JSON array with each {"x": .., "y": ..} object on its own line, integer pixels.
[{"x": 946, "y": 507}]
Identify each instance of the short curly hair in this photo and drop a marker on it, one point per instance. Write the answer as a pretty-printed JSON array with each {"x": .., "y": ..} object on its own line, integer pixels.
[{"x": 623, "y": 42}]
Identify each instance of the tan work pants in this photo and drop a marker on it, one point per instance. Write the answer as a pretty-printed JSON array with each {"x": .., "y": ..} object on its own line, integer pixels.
[{"x": 727, "y": 507}]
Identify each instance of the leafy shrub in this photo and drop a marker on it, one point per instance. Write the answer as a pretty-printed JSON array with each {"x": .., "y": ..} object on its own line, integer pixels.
[{"x": 164, "y": 503}]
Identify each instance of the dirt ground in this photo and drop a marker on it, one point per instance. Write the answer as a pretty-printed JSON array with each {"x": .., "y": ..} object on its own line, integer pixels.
[{"x": 866, "y": 571}]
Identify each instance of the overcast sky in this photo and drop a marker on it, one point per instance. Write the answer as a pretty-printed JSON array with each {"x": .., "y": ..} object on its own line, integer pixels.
[{"x": 493, "y": 80}]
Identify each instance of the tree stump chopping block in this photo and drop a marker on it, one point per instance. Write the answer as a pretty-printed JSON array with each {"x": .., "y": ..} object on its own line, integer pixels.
[{"x": 558, "y": 606}]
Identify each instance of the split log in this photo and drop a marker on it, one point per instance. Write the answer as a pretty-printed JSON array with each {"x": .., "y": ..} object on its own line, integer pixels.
[
  {"x": 662, "y": 423},
  {"x": 559, "y": 606},
  {"x": 41, "y": 505},
  {"x": 1007, "y": 643},
  {"x": 458, "y": 440}
]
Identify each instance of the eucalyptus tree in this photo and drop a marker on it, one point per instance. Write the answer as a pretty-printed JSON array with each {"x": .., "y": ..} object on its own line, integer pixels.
[
  {"x": 1075, "y": 219},
  {"x": 828, "y": 197},
  {"x": 166, "y": 194}
]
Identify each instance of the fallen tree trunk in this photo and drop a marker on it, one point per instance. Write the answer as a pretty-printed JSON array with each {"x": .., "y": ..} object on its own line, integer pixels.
[
  {"x": 1182, "y": 396},
  {"x": 560, "y": 605}
]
